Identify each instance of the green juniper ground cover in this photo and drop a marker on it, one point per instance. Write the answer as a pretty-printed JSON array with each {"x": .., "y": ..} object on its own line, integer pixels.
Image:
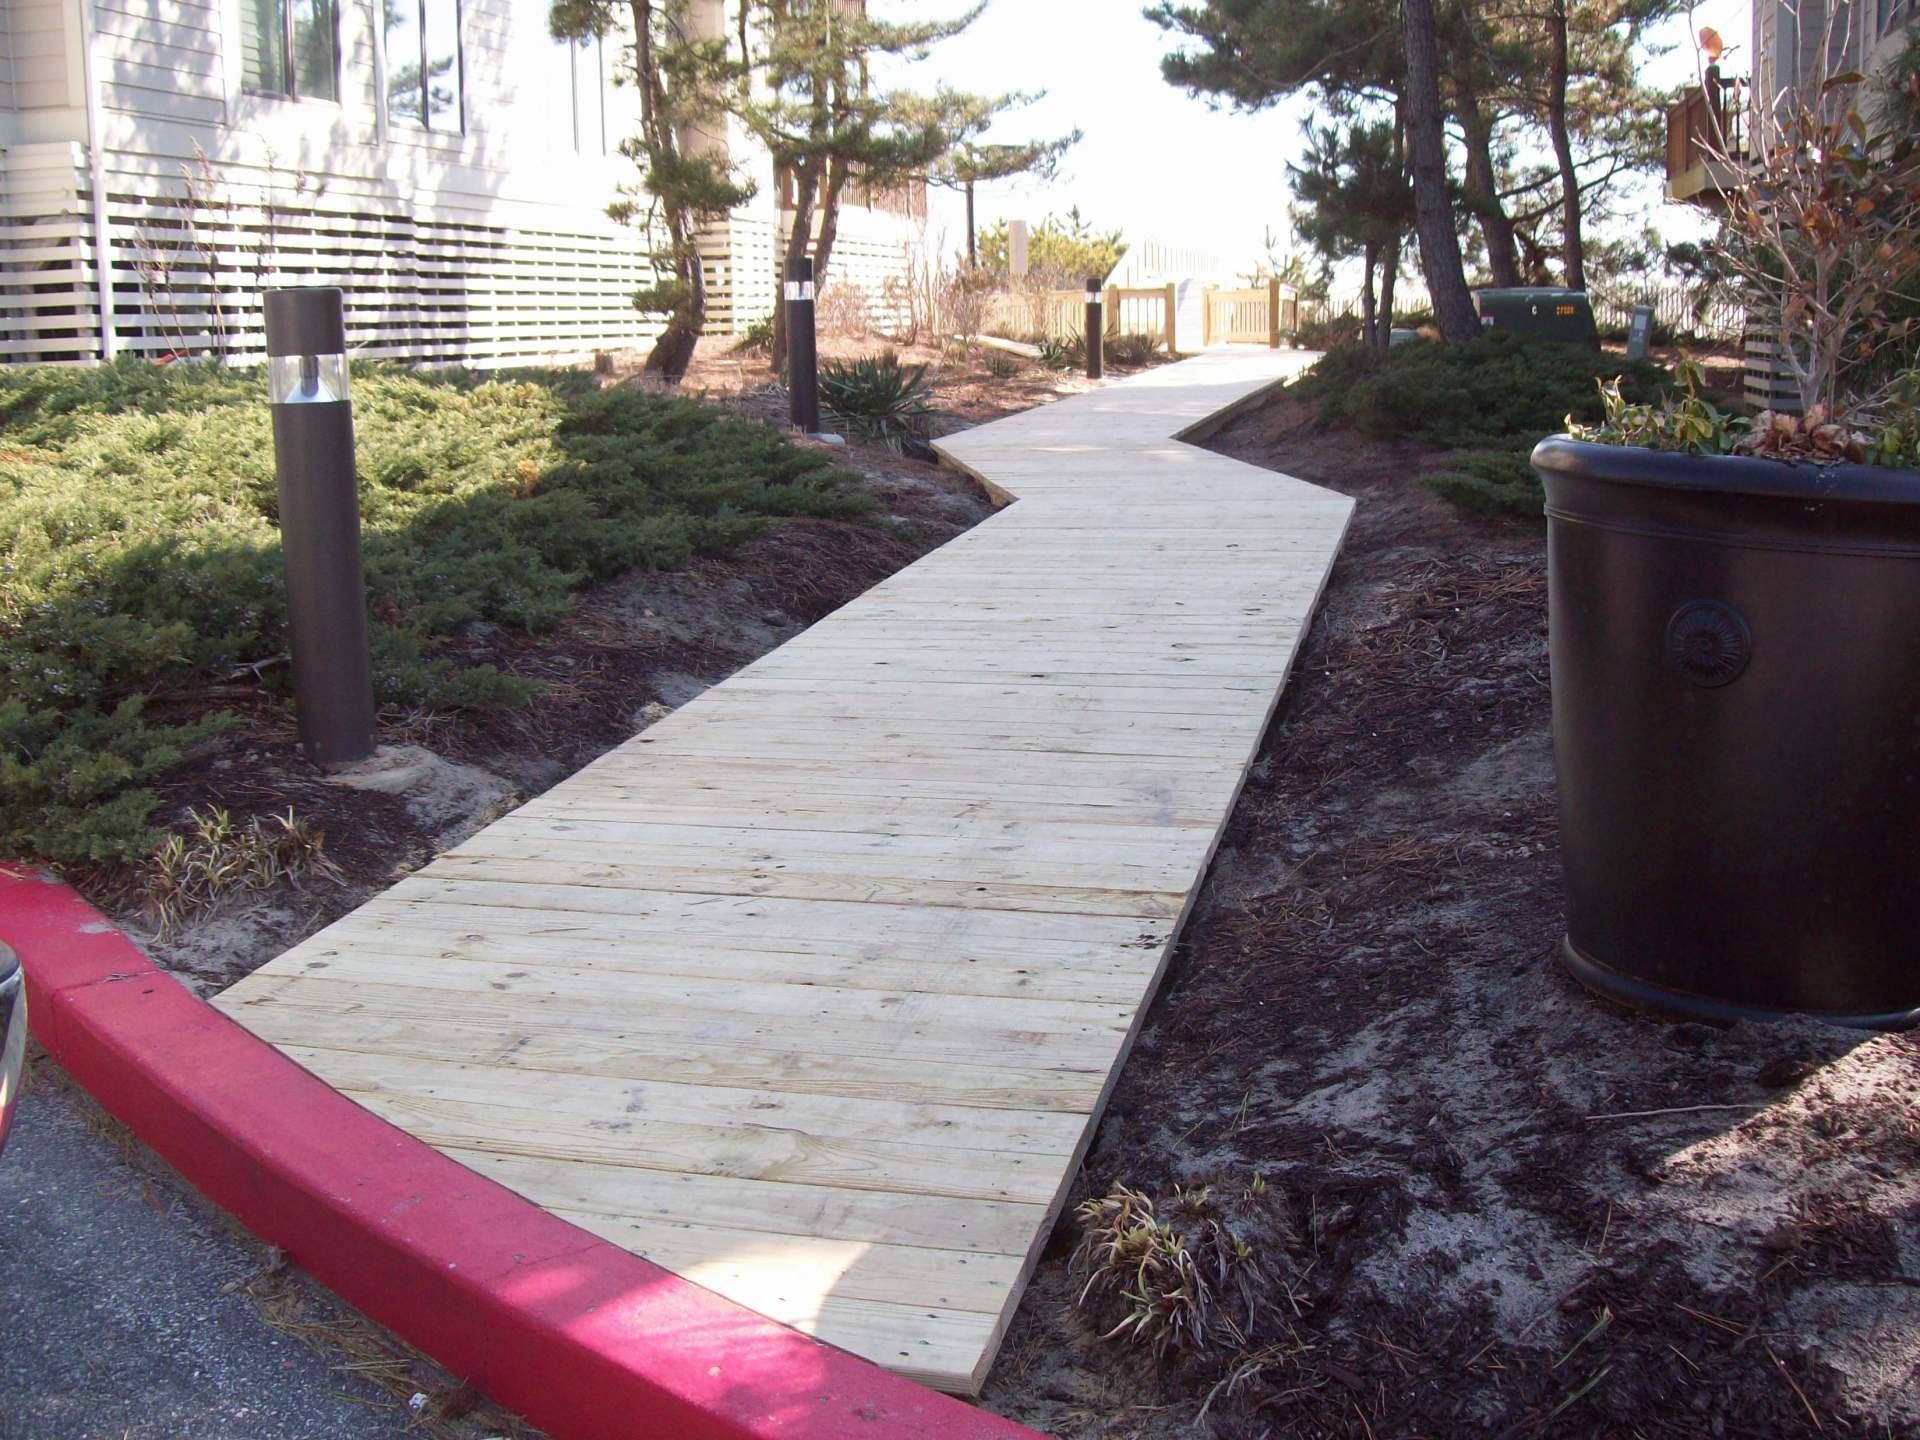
[
  {"x": 1488, "y": 401},
  {"x": 140, "y": 556}
]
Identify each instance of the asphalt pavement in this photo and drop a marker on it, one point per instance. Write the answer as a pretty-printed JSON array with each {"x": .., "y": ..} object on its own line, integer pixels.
[{"x": 116, "y": 1317}]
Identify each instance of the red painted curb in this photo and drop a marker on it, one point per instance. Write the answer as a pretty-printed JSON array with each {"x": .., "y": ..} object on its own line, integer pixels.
[{"x": 585, "y": 1339}]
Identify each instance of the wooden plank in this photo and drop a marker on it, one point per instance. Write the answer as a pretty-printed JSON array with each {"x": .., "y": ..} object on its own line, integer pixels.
[{"x": 814, "y": 990}]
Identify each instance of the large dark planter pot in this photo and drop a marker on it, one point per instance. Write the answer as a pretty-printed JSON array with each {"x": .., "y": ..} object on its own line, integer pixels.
[{"x": 1736, "y": 730}]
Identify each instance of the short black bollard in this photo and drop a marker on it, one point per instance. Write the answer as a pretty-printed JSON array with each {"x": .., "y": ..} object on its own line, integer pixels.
[
  {"x": 1096, "y": 332},
  {"x": 803, "y": 372},
  {"x": 320, "y": 524}
]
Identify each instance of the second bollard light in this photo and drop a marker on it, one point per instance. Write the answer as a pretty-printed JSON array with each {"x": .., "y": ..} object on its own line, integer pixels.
[
  {"x": 803, "y": 363},
  {"x": 1096, "y": 330}
]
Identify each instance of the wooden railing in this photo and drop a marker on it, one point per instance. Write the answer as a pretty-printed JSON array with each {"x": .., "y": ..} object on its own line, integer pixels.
[
  {"x": 1258, "y": 315},
  {"x": 1705, "y": 128},
  {"x": 1062, "y": 314}
]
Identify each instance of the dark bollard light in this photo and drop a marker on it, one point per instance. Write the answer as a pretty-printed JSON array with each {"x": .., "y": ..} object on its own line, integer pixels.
[
  {"x": 320, "y": 524},
  {"x": 803, "y": 372},
  {"x": 1096, "y": 331}
]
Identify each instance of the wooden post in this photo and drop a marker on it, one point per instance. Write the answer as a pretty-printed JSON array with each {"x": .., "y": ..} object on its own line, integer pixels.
[
  {"x": 1206, "y": 316},
  {"x": 1273, "y": 314},
  {"x": 1172, "y": 316}
]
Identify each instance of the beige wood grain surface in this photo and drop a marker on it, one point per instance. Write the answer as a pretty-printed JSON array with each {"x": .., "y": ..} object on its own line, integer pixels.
[{"x": 813, "y": 992}]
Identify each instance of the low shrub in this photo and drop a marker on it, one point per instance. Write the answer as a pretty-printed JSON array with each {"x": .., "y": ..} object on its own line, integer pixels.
[
  {"x": 1493, "y": 388},
  {"x": 215, "y": 859},
  {"x": 140, "y": 556},
  {"x": 1489, "y": 482},
  {"x": 1001, "y": 364},
  {"x": 1329, "y": 334},
  {"x": 1488, "y": 400},
  {"x": 1208, "y": 1273},
  {"x": 878, "y": 397}
]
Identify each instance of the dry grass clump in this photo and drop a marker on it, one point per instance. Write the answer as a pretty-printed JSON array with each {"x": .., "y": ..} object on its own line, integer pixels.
[
  {"x": 1211, "y": 1277},
  {"x": 216, "y": 859}
]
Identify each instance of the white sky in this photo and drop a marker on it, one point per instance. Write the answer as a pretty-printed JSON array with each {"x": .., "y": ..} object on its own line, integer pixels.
[{"x": 1155, "y": 161}]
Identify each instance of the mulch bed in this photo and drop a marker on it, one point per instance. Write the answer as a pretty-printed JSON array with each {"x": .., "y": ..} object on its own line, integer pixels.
[{"x": 1481, "y": 1228}]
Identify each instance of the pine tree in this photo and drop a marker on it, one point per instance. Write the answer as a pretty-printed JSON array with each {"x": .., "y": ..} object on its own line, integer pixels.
[
  {"x": 816, "y": 108},
  {"x": 684, "y": 80},
  {"x": 1352, "y": 201},
  {"x": 1354, "y": 54},
  {"x": 972, "y": 163},
  {"x": 1557, "y": 77},
  {"x": 1062, "y": 251}
]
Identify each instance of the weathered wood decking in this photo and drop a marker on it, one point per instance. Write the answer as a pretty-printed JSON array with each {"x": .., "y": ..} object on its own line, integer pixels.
[{"x": 813, "y": 992}]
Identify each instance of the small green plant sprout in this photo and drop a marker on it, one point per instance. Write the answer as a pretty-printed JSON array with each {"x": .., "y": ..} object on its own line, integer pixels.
[
  {"x": 1194, "y": 1201},
  {"x": 214, "y": 859},
  {"x": 1688, "y": 422},
  {"x": 1063, "y": 354},
  {"x": 878, "y": 397}
]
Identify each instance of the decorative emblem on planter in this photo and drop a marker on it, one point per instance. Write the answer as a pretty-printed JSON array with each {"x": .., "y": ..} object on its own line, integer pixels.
[{"x": 1708, "y": 643}]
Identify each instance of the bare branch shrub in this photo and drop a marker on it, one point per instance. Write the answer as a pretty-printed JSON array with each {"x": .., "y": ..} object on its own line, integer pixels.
[
  {"x": 1823, "y": 232},
  {"x": 185, "y": 246}
]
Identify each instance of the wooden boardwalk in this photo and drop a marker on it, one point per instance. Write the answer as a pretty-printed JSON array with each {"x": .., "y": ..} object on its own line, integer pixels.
[{"x": 813, "y": 992}]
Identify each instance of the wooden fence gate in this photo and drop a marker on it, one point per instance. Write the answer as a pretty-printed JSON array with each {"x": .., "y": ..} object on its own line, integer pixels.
[{"x": 1257, "y": 315}]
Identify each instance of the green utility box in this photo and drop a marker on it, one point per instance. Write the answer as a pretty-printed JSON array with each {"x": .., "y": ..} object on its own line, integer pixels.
[{"x": 1550, "y": 313}]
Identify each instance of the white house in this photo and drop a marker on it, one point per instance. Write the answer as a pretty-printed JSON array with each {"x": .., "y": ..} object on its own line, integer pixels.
[{"x": 445, "y": 161}]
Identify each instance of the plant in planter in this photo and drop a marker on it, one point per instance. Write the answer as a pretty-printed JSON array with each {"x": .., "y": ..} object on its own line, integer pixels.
[{"x": 1733, "y": 613}]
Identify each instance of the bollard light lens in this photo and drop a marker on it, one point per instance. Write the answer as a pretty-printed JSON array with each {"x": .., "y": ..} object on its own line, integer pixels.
[{"x": 306, "y": 379}]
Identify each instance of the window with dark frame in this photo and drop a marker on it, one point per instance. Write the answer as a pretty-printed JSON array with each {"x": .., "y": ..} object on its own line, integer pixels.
[
  {"x": 425, "y": 82},
  {"x": 291, "y": 48}
]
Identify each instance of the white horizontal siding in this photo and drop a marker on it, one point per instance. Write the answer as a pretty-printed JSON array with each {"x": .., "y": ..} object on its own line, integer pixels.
[
  {"x": 190, "y": 261},
  {"x": 489, "y": 245},
  {"x": 46, "y": 273},
  {"x": 41, "y": 45},
  {"x": 6, "y": 58}
]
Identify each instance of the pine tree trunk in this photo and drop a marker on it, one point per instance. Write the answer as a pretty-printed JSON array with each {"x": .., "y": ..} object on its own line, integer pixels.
[
  {"x": 1389, "y": 275},
  {"x": 1433, "y": 210},
  {"x": 1573, "y": 250},
  {"x": 1481, "y": 187},
  {"x": 672, "y": 352},
  {"x": 837, "y": 176},
  {"x": 1368, "y": 316},
  {"x": 798, "y": 238}
]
